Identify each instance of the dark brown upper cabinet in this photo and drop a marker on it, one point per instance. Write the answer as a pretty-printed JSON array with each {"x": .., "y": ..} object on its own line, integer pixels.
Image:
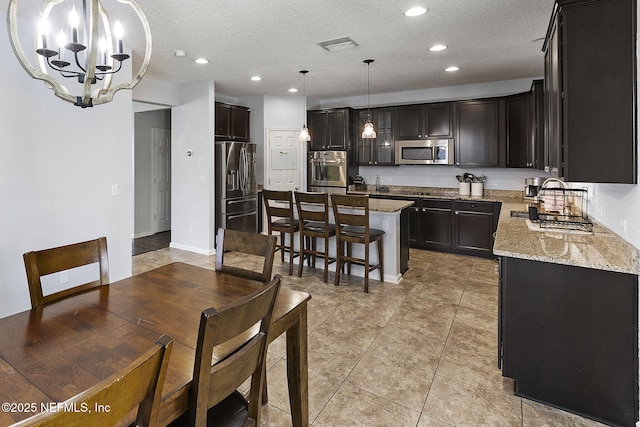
[
  {"x": 231, "y": 122},
  {"x": 330, "y": 129},
  {"x": 425, "y": 121},
  {"x": 520, "y": 138},
  {"x": 480, "y": 135},
  {"x": 590, "y": 76},
  {"x": 377, "y": 151}
]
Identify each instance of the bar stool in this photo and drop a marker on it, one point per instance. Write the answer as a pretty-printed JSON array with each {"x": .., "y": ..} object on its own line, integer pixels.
[
  {"x": 279, "y": 207},
  {"x": 351, "y": 214},
  {"x": 313, "y": 212}
]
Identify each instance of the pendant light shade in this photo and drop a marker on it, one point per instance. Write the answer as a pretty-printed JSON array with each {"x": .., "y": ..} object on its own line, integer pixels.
[
  {"x": 304, "y": 132},
  {"x": 369, "y": 131}
]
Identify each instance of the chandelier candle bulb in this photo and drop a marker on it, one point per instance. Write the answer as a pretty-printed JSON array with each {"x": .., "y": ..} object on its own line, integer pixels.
[
  {"x": 61, "y": 40},
  {"x": 44, "y": 29},
  {"x": 118, "y": 31},
  {"x": 74, "y": 21},
  {"x": 103, "y": 49}
]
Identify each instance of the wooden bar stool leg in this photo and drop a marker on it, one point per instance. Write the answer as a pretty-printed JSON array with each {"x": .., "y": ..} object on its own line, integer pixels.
[
  {"x": 326, "y": 260},
  {"x": 302, "y": 253},
  {"x": 366, "y": 267},
  {"x": 282, "y": 246},
  {"x": 339, "y": 261},
  {"x": 380, "y": 259},
  {"x": 291, "y": 253}
]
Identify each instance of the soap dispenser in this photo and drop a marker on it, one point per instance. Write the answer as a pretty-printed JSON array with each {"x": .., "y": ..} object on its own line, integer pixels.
[{"x": 377, "y": 182}]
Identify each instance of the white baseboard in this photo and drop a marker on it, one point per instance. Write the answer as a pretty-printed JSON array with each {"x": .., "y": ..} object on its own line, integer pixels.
[{"x": 202, "y": 251}]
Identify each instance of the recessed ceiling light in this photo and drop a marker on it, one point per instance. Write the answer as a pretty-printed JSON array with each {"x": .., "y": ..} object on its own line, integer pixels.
[
  {"x": 452, "y": 68},
  {"x": 416, "y": 11},
  {"x": 256, "y": 78},
  {"x": 293, "y": 90},
  {"x": 180, "y": 53},
  {"x": 437, "y": 47},
  {"x": 201, "y": 61}
]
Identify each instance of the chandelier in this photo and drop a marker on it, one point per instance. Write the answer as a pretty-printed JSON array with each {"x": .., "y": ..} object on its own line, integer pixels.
[{"x": 88, "y": 50}]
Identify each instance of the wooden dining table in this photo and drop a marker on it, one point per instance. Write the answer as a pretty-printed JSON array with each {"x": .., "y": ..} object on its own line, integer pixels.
[{"x": 49, "y": 354}]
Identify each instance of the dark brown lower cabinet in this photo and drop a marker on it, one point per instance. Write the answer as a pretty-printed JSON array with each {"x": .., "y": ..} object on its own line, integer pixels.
[
  {"x": 568, "y": 336},
  {"x": 473, "y": 226},
  {"x": 456, "y": 226}
]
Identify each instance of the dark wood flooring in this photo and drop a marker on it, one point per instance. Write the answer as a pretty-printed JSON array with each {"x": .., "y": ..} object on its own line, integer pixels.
[{"x": 151, "y": 243}]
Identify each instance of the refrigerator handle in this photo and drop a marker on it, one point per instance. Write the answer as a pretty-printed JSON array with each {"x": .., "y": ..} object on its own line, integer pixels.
[{"x": 242, "y": 161}]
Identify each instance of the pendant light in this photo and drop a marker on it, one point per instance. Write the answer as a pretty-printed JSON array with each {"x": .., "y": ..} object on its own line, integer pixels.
[
  {"x": 304, "y": 132},
  {"x": 369, "y": 132}
]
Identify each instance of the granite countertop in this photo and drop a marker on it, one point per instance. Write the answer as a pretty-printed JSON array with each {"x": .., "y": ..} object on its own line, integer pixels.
[
  {"x": 601, "y": 249},
  {"x": 388, "y": 205},
  {"x": 437, "y": 193}
]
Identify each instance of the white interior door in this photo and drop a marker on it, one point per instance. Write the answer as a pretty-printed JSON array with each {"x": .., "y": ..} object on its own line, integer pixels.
[
  {"x": 286, "y": 161},
  {"x": 161, "y": 175}
]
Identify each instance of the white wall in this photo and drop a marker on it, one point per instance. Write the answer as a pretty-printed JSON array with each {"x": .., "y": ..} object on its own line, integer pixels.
[
  {"x": 57, "y": 168},
  {"x": 285, "y": 113},
  {"x": 192, "y": 185}
]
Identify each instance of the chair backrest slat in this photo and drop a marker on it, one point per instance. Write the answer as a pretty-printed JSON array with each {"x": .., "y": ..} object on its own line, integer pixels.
[
  {"x": 48, "y": 261},
  {"x": 278, "y": 204},
  {"x": 350, "y": 210},
  {"x": 259, "y": 245},
  {"x": 312, "y": 206}
]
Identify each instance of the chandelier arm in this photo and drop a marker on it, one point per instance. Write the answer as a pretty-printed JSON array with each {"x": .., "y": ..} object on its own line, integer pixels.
[
  {"x": 108, "y": 95},
  {"x": 61, "y": 70},
  {"x": 75, "y": 54}
]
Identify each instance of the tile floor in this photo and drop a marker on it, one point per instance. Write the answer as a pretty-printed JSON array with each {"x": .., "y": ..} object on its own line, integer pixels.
[{"x": 421, "y": 353}]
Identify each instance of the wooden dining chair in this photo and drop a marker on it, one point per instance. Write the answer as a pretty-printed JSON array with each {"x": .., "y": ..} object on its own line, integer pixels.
[
  {"x": 351, "y": 213},
  {"x": 259, "y": 245},
  {"x": 54, "y": 260},
  {"x": 139, "y": 384},
  {"x": 241, "y": 351},
  {"x": 280, "y": 219},
  {"x": 313, "y": 212}
]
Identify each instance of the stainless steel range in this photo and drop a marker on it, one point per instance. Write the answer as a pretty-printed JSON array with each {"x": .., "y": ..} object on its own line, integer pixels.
[{"x": 236, "y": 188}]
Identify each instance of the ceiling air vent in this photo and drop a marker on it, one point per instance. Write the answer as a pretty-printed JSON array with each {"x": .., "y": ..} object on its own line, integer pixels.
[{"x": 338, "y": 44}]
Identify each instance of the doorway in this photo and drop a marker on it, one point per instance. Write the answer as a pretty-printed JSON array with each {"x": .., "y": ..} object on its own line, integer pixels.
[{"x": 152, "y": 180}]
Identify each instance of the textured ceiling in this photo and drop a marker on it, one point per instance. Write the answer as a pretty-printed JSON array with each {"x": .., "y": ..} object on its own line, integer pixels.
[{"x": 490, "y": 40}]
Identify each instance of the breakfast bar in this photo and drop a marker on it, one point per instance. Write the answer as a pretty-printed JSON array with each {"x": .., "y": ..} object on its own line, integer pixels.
[{"x": 391, "y": 216}]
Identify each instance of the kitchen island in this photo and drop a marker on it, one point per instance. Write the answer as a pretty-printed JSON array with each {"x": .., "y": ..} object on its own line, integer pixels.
[{"x": 391, "y": 216}]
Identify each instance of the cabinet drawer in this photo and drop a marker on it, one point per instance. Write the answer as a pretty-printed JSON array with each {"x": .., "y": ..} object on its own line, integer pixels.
[
  {"x": 436, "y": 204},
  {"x": 474, "y": 206}
]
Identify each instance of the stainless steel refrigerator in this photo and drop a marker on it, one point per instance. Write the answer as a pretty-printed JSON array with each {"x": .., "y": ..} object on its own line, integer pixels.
[{"x": 236, "y": 188}]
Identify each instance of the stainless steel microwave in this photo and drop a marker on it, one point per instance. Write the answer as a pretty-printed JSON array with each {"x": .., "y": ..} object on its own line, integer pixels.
[{"x": 425, "y": 152}]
